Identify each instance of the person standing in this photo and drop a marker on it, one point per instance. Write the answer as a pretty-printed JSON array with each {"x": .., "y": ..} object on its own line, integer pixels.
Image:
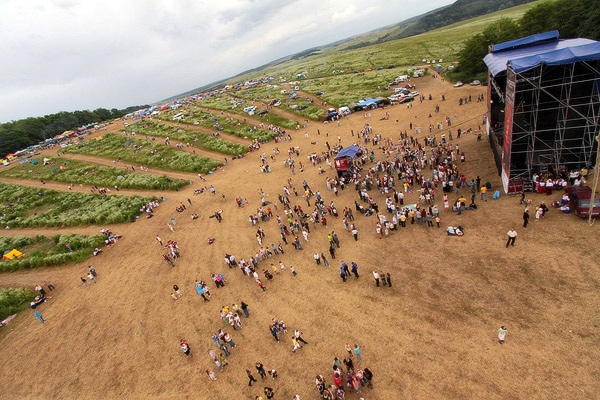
[
  {"x": 357, "y": 352},
  {"x": 244, "y": 307},
  {"x": 159, "y": 240},
  {"x": 91, "y": 277},
  {"x": 261, "y": 370},
  {"x": 389, "y": 279},
  {"x": 325, "y": 262},
  {"x": 501, "y": 334},
  {"x": 512, "y": 235},
  {"x": 317, "y": 258},
  {"x": 84, "y": 281},
  {"x": 525, "y": 217},
  {"x": 376, "y": 277},
  {"x": 342, "y": 274},
  {"x": 49, "y": 285},
  {"x": 354, "y": 232},
  {"x": 250, "y": 377},
  {"x": 39, "y": 316},
  {"x": 355, "y": 269},
  {"x": 177, "y": 290}
]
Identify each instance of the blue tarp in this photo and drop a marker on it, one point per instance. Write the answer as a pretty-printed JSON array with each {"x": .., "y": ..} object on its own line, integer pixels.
[
  {"x": 348, "y": 152},
  {"x": 586, "y": 52},
  {"x": 367, "y": 102},
  {"x": 497, "y": 62},
  {"x": 540, "y": 37}
]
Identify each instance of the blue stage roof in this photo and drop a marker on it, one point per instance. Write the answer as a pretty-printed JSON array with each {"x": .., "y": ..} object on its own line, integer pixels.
[
  {"x": 553, "y": 53},
  {"x": 540, "y": 37},
  {"x": 348, "y": 152}
]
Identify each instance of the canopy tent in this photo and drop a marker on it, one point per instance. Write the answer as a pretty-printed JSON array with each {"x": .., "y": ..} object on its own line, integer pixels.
[
  {"x": 556, "y": 52},
  {"x": 11, "y": 255},
  {"x": 348, "y": 152},
  {"x": 367, "y": 102}
]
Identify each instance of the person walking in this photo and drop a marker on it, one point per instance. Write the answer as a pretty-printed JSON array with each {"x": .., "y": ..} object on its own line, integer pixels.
[
  {"x": 355, "y": 269},
  {"x": 325, "y": 262},
  {"x": 250, "y": 377},
  {"x": 525, "y": 218},
  {"x": 376, "y": 277},
  {"x": 159, "y": 240},
  {"x": 177, "y": 290},
  {"x": 39, "y": 316},
  {"x": 512, "y": 235},
  {"x": 389, "y": 279},
  {"x": 91, "y": 277},
  {"x": 84, "y": 281},
  {"x": 298, "y": 336},
  {"x": 354, "y": 232},
  {"x": 357, "y": 352},
  {"x": 49, "y": 285},
  {"x": 185, "y": 348},
  {"x": 501, "y": 334}
]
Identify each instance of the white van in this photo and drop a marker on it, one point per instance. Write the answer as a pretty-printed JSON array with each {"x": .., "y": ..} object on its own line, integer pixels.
[{"x": 177, "y": 116}]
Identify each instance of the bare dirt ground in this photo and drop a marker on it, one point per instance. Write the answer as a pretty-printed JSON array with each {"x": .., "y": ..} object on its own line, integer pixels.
[{"x": 433, "y": 335}]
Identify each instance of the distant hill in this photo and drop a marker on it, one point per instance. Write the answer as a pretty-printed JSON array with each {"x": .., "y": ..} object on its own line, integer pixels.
[{"x": 459, "y": 11}]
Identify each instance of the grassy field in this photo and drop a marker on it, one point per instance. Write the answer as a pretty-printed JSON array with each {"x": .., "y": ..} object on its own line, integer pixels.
[
  {"x": 13, "y": 300},
  {"x": 25, "y": 207},
  {"x": 198, "y": 139},
  {"x": 80, "y": 172},
  {"x": 144, "y": 152},
  {"x": 443, "y": 43},
  {"x": 230, "y": 125},
  {"x": 42, "y": 251}
]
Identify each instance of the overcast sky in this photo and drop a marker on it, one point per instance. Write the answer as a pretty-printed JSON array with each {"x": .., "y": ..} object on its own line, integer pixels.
[{"x": 68, "y": 54}]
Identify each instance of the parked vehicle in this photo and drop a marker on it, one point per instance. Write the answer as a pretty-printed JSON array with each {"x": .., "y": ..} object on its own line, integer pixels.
[
  {"x": 406, "y": 99},
  {"x": 458, "y": 84},
  {"x": 475, "y": 83},
  {"x": 263, "y": 112},
  {"x": 580, "y": 201},
  {"x": 319, "y": 93}
]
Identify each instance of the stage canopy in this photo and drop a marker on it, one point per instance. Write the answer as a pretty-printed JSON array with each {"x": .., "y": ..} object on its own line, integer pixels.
[{"x": 555, "y": 52}]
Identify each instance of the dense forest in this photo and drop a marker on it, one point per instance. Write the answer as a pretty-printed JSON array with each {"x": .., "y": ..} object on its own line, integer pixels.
[
  {"x": 572, "y": 18},
  {"x": 17, "y": 135}
]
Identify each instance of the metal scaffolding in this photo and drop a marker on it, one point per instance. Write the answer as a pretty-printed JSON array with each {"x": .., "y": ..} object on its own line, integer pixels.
[{"x": 555, "y": 118}]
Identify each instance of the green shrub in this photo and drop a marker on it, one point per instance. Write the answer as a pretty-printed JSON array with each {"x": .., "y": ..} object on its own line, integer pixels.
[
  {"x": 14, "y": 300},
  {"x": 23, "y": 207},
  {"x": 81, "y": 172},
  {"x": 144, "y": 152},
  {"x": 198, "y": 139}
]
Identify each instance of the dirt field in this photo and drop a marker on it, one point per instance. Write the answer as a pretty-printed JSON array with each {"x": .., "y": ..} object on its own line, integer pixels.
[{"x": 433, "y": 335}]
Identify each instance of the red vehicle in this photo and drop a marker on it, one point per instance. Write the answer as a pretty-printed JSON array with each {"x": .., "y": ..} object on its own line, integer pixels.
[{"x": 580, "y": 201}]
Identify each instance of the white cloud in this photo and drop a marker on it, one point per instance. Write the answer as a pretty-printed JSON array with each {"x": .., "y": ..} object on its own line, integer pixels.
[{"x": 78, "y": 54}]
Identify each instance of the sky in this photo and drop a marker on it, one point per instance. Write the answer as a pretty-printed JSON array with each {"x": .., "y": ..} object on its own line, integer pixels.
[{"x": 66, "y": 55}]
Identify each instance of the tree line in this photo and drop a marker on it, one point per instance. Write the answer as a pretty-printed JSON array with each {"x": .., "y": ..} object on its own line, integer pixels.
[
  {"x": 572, "y": 18},
  {"x": 20, "y": 134}
]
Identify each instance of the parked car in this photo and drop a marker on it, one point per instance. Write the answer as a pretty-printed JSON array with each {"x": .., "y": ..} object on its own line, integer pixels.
[
  {"x": 319, "y": 93},
  {"x": 304, "y": 107},
  {"x": 263, "y": 112},
  {"x": 458, "y": 84},
  {"x": 406, "y": 99},
  {"x": 475, "y": 83},
  {"x": 580, "y": 201}
]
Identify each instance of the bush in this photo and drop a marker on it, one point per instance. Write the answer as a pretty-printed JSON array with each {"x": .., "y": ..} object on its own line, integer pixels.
[
  {"x": 144, "y": 152},
  {"x": 24, "y": 207},
  {"x": 14, "y": 300},
  {"x": 199, "y": 139},
  {"x": 81, "y": 172}
]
